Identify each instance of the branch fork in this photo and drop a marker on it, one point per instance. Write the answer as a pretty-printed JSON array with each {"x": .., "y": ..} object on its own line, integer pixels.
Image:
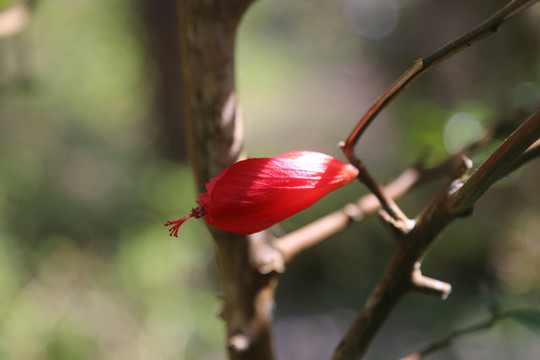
[
  {"x": 249, "y": 266},
  {"x": 457, "y": 199}
]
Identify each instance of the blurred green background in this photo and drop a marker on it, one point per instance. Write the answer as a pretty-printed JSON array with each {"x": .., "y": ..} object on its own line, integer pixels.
[{"x": 92, "y": 162}]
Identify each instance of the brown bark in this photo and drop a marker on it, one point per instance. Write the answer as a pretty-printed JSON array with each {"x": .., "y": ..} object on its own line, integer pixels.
[
  {"x": 215, "y": 141},
  {"x": 403, "y": 273}
]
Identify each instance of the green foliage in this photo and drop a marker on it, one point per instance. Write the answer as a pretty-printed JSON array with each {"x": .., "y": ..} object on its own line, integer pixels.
[
  {"x": 528, "y": 318},
  {"x": 423, "y": 127},
  {"x": 5, "y": 4},
  {"x": 87, "y": 270}
]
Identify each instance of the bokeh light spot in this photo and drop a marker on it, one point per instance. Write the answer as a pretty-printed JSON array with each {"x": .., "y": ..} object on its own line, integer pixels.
[
  {"x": 461, "y": 129},
  {"x": 371, "y": 18}
]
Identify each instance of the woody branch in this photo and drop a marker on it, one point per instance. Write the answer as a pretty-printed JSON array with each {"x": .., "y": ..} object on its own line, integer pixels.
[
  {"x": 483, "y": 30},
  {"x": 215, "y": 141},
  {"x": 496, "y": 317},
  {"x": 295, "y": 242},
  {"x": 403, "y": 273}
]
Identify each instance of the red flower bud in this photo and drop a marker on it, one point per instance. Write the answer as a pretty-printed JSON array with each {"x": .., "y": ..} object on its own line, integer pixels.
[{"x": 254, "y": 194}]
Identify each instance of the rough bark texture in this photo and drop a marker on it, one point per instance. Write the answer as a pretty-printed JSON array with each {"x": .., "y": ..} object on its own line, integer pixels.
[{"x": 215, "y": 141}]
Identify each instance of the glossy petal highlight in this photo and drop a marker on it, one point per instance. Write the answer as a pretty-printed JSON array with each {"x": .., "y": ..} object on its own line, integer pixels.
[{"x": 254, "y": 194}]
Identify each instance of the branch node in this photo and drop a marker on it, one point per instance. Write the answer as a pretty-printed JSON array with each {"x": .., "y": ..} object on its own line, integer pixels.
[
  {"x": 465, "y": 165},
  {"x": 455, "y": 185},
  {"x": 263, "y": 256},
  {"x": 397, "y": 227},
  {"x": 460, "y": 175},
  {"x": 354, "y": 212}
]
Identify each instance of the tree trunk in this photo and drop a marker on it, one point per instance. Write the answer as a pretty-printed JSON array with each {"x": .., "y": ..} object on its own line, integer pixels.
[{"x": 215, "y": 141}]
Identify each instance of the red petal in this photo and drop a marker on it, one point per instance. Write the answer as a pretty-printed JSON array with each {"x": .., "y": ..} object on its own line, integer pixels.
[{"x": 255, "y": 194}]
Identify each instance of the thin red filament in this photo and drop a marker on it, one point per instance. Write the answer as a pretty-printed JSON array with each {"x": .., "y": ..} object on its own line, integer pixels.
[{"x": 196, "y": 213}]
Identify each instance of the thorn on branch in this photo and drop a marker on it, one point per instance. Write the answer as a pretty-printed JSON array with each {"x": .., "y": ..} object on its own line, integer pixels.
[
  {"x": 460, "y": 175},
  {"x": 465, "y": 165},
  {"x": 435, "y": 217},
  {"x": 498, "y": 164},
  {"x": 429, "y": 286}
]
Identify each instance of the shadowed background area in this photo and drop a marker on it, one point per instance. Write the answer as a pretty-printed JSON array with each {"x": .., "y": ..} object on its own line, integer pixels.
[{"x": 92, "y": 163}]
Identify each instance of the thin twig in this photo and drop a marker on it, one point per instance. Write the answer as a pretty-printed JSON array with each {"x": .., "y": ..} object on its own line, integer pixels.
[
  {"x": 512, "y": 150},
  {"x": 397, "y": 218},
  {"x": 450, "y": 338},
  {"x": 429, "y": 286},
  {"x": 295, "y": 242},
  {"x": 397, "y": 278},
  {"x": 451, "y": 202},
  {"x": 496, "y": 317},
  {"x": 532, "y": 153},
  {"x": 418, "y": 67}
]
